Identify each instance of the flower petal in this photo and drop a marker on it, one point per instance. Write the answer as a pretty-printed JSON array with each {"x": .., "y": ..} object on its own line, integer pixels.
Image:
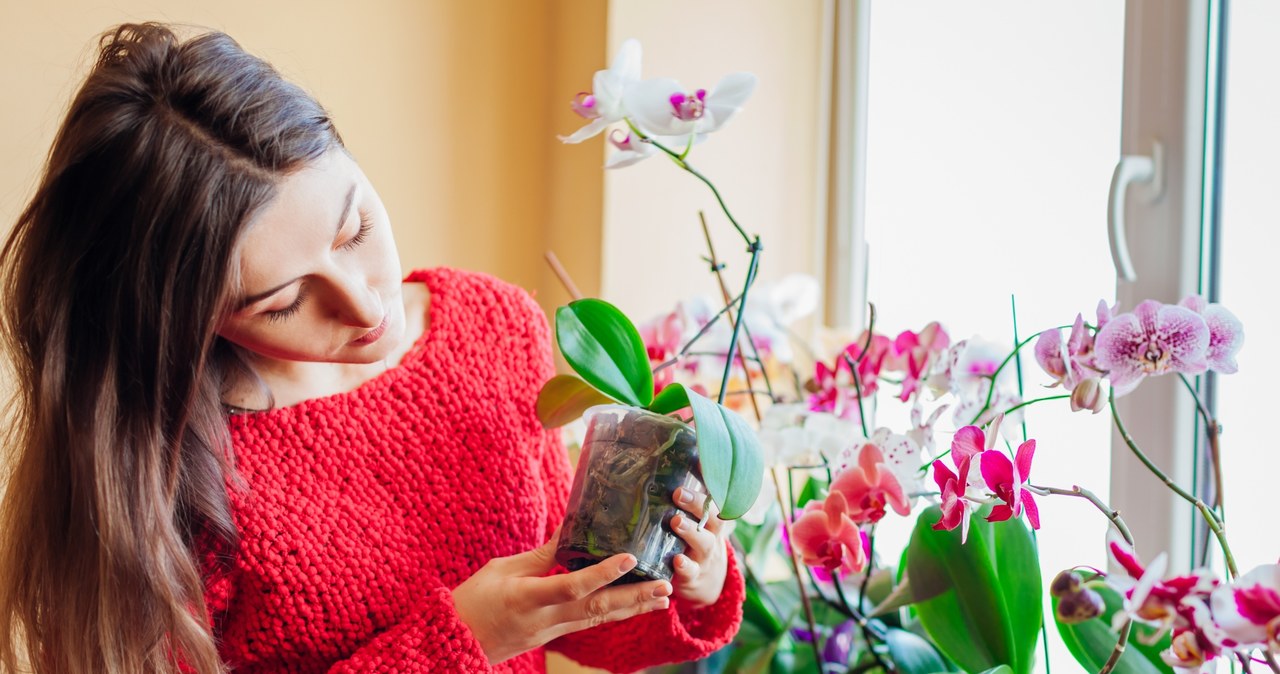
[
  {"x": 648, "y": 103},
  {"x": 725, "y": 99},
  {"x": 1031, "y": 509},
  {"x": 591, "y": 129},
  {"x": 967, "y": 442},
  {"x": 1026, "y": 451},
  {"x": 996, "y": 469}
]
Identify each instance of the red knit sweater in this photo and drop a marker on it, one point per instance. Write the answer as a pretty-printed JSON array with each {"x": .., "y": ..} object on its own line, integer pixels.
[{"x": 361, "y": 510}]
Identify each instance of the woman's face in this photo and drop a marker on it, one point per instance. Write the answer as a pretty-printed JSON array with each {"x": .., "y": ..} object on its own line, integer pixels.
[{"x": 320, "y": 275}]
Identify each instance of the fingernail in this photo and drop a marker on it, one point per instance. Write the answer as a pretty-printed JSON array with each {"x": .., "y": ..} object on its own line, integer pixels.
[
  {"x": 628, "y": 563},
  {"x": 662, "y": 590},
  {"x": 662, "y": 604},
  {"x": 683, "y": 496}
]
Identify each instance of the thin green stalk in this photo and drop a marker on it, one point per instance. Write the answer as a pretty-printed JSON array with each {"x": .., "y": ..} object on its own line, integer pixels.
[
  {"x": 684, "y": 350},
  {"x": 1027, "y": 403},
  {"x": 995, "y": 375},
  {"x": 1212, "y": 430},
  {"x": 737, "y": 325},
  {"x": 1214, "y": 523},
  {"x": 857, "y": 390}
]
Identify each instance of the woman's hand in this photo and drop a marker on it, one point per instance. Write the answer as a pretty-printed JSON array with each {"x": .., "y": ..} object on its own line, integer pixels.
[
  {"x": 701, "y": 570},
  {"x": 512, "y": 607}
]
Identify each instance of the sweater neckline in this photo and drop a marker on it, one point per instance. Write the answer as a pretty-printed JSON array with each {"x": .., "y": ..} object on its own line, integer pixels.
[{"x": 416, "y": 352}]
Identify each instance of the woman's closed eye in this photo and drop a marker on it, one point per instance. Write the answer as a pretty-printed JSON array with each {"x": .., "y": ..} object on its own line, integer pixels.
[
  {"x": 282, "y": 314},
  {"x": 366, "y": 225}
]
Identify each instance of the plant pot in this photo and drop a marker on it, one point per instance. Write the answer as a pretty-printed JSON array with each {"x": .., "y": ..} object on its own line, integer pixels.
[{"x": 632, "y": 461}]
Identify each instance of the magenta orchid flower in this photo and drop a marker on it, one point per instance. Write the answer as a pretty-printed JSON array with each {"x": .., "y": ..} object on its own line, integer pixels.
[
  {"x": 1068, "y": 362},
  {"x": 603, "y": 105},
  {"x": 1176, "y": 603},
  {"x": 827, "y": 538},
  {"x": 1248, "y": 610},
  {"x": 1008, "y": 481},
  {"x": 1226, "y": 333},
  {"x": 1154, "y": 339},
  {"x": 869, "y": 486},
  {"x": 955, "y": 509}
]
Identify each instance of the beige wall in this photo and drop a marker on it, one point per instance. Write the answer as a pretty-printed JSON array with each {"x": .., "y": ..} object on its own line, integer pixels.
[{"x": 764, "y": 161}]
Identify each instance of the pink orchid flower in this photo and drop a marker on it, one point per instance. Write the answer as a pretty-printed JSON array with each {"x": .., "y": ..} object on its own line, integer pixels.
[
  {"x": 1176, "y": 603},
  {"x": 1248, "y": 610},
  {"x": 930, "y": 341},
  {"x": 955, "y": 509},
  {"x": 1154, "y": 339},
  {"x": 1008, "y": 481},
  {"x": 1226, "y": 333},
  {"x": 869, "y": 486},
  {"x": 826, "y": 537},
  {"x": 1068, "y": 362}
]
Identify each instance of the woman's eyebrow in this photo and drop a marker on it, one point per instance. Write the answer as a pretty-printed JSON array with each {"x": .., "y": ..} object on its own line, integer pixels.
[{"x": 346, "y": 211}]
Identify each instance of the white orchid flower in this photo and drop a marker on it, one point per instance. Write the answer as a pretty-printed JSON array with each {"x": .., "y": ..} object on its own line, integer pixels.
[
  {"x": 662, "y": 107},
  {"x": 603, "y": 105},
  {"x": 629, "y": 149}
]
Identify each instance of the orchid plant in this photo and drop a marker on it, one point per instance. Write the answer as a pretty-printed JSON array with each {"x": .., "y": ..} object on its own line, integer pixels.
[
  {"x": 599, "y": 342},
  {"x": 966, "y": 592}
]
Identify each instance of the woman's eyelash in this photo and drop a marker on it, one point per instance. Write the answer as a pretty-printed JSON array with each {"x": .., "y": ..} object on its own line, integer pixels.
[
  {"x": 288, "y": 311},
  {"x": 366, "y": 224}
]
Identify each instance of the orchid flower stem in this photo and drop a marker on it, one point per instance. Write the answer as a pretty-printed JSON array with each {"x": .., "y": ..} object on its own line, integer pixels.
[
  {"x": 857, "y": 392},
  {"x": 1214, "y": 523},
  {"x": 679, "y": 159},
  {"x": 986, "y": 405},
  {"x": 1119, "y": 649},
  {"x": 795, "y": 567},
  {"x": 858, "y": 617},
  {"x": 1212, "y": 431},
  {"x": 1271, "y": 660},
  {"x": 716, "y": 267},
  {"x": 1077, "y": 491},
  {"x": 752, "y": 268},
  {"x": 1026, "y": 403},
  {"x": 684, "y": 350},
  {"x": 871, "y": 326},
  {"x": 721, "y": 354}
]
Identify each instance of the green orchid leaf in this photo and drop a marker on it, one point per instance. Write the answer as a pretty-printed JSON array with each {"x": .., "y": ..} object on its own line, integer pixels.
[
  {"x": 912, "y": 654},
  {"x": 564, "y": 398},
  {"x": 730, "y": 456},
  {"x": 602, "y": 345},
  {"x": 1002, "y": 669},
  {"x": 960, "y": 603},
  {"x": 671, "y": 398},
  {"x": 729, "y": 452},
  {"x": 1092, "y": 641},
  {"x": 1017, "y": 564}
]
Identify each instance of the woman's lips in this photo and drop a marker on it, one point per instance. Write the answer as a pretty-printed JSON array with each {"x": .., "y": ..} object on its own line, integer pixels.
[{"x": 373, "y": 335}]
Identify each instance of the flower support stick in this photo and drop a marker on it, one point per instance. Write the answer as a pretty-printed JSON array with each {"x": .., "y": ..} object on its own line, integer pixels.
[
  {"x": 795, "y": 567},
  {"x": 737, "y": 326},
  {"x": 1212, "y": 431},
  {"x": 1214, "y": 523}
]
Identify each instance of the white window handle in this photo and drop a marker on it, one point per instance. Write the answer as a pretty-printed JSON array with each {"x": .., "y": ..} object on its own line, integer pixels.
[{"x": 1130, "y": 169}]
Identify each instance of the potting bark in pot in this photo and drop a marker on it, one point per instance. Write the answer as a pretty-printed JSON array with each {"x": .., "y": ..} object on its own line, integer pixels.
[{"x": 632, "y": 461}]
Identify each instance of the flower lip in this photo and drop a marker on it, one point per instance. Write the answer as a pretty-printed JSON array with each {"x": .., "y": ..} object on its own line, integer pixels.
[{"x": 372, "y": 335}]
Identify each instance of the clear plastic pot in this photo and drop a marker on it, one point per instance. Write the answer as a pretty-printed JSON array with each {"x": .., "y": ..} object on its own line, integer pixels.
[{"x": 632, "y": 461}]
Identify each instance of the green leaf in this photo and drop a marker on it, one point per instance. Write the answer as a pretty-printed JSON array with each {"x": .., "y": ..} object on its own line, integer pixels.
[
  {"x": 564, "y": 398},
  {"x": 1002, "y": 669},
  {"x": 602, "y": 345},
  {"x": 1093, "y": 640},
  {"x": 911, "y": 654},
  {"x": 1018, "y": 574},
  {"x": 961, "y": 604},
  {"x": 729, "y": 452}
]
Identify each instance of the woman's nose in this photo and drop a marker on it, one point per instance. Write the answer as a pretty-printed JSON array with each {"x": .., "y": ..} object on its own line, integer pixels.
[{"x": 358, "y": 305}]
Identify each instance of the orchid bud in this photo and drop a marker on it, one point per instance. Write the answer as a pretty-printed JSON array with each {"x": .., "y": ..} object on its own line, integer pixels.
[
  {"x": 1079, "y": 607},
  {"x": 1065, "y": 583},
  {"x": 1088, "y": 395}
]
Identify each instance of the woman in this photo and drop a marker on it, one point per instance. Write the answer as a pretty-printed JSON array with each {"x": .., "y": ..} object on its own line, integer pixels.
[{"x": 241, "y": 442}]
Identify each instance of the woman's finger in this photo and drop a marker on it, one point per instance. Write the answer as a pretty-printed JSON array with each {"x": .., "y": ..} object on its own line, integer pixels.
[
  {"x": 701, "y": 542},
  {"x": 692, "y": 502},
  {"x": 686, "y": 569},
  {"x": 577, "y": 585},
  {"x": 614, "y": 603}
]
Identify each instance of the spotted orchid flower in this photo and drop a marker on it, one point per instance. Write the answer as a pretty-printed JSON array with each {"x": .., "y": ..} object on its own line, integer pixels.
[
  {"x": 662, "y": 107},
  {"x": 1248, "y": 610},
  {"x": 827, "y": 538},
  {"x": 1008, "y": 481},
  {"x": 1178, "y": 602},
  {"x": 1154, "y": 339},
  {"x": 869, "y": 486},
  {"x": 1226, "y": 333},
  {"x": 1068, "y": 362},
  {"x": 603, "y": 105}
]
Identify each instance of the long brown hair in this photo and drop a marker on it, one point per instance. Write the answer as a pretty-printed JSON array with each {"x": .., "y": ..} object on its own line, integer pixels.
[{"x": 115, "y": 278}]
